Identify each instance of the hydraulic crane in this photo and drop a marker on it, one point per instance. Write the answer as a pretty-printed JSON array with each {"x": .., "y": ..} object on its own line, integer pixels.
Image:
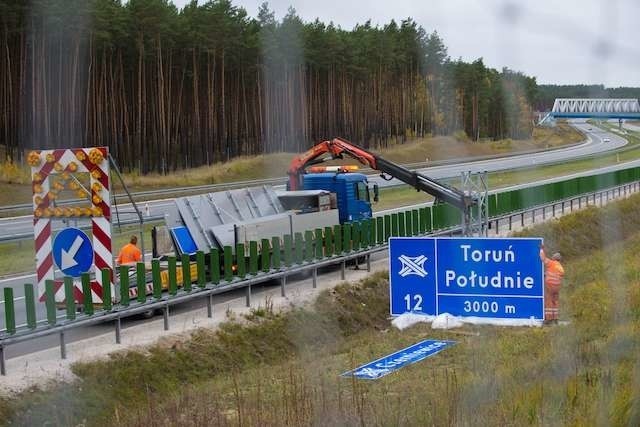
[{"x": 337, "y": 148}]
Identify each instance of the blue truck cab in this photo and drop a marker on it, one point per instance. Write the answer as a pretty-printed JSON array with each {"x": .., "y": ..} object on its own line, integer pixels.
[{"x": 351, "y": 189}]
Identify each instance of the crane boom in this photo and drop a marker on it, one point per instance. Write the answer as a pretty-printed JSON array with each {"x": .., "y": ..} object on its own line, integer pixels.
[{"x": 338, "y": 147}]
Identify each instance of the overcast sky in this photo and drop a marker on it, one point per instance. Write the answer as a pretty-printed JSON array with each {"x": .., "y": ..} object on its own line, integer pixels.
[{"x": 557, "y": 41}]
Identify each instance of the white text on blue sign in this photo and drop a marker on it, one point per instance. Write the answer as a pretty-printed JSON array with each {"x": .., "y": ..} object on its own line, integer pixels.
[{"x": 478, "y": 277}]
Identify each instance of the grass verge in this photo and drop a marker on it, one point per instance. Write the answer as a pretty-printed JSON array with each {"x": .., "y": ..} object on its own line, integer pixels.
[{"x": 273, "y": 369}]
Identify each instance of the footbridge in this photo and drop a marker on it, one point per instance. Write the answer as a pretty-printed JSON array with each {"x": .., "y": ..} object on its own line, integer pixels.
[{"x": 594, "y": 108}]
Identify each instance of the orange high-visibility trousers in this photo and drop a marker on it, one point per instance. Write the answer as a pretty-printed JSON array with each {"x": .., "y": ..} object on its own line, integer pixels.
[{"x": 551, "y": 302}]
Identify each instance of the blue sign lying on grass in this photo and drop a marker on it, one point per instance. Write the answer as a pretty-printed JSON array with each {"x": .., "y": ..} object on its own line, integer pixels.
[{"x": 385, "y": 365}]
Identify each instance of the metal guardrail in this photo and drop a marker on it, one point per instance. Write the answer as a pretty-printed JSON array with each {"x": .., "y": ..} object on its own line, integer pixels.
[
  {"x": 160, "y": 192},
  {"x": 29, "y": 236}
]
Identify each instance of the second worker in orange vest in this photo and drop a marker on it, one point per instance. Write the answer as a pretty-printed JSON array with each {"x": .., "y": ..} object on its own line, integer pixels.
[
  {"x": 130, "y": 254},
  {"x": 553, "y": 275}
]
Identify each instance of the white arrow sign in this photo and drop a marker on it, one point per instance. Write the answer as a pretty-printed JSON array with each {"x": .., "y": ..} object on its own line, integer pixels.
[{"x": 69, "y": 257}]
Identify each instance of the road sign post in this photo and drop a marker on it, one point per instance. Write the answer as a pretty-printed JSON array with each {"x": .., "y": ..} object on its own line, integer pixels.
[{"x": 468, "y": 277}]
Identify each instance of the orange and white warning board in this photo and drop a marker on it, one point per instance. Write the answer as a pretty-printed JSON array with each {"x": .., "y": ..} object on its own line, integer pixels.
[{"x": 72, "y": 184}]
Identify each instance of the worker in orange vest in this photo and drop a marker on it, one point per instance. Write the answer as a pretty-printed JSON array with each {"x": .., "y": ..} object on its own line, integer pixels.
[
  {"x": 553, "y": 275},
  {"x": 130, "y": 254}
]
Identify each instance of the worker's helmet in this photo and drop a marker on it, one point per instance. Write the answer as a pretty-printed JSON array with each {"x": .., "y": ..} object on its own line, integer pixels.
[{"x": 557, "y": 256}]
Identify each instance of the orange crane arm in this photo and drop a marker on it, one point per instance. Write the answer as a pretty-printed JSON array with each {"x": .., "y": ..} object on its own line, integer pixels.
[
  {"x": 337, "y": 147},
  {"x": 335, "y": 150}
]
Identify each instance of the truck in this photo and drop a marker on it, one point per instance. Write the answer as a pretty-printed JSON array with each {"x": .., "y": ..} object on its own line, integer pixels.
[{"x": 315, "y": 197}]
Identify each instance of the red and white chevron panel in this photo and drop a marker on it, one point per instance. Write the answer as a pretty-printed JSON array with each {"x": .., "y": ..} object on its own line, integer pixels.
[{"x": 44, "y": 165}]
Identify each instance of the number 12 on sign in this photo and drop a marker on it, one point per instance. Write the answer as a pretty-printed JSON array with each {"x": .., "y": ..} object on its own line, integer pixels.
[{"x": 414, "y": 302}]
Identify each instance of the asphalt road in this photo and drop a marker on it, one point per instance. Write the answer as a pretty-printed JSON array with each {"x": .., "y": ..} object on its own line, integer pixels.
[{"x": 595, "y": 144}]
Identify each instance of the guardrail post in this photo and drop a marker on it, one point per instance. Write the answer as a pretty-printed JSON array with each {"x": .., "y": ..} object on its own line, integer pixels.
[
  {"x": 228, "y": 263},
  {"x": 9, "y": 311},
  {"x": 248, "y": 296},
  {"x": 275, "y": 253},
  {"x": 186, "y": 272},
  {"x": 562, "y": 208},
  {"x": 265, "y": 255},
  {"x": 3, "y": 368},
  {"x": 87, "y": 295},
  {"x": 283, "y": 283},
  {"x": 497, "y": 226},
  {"x": 522, "y": 219},
  {"x": 288, "y": 248},
  {"x": 50, "y": 302},
  {"x": 369, "y": 263},
  {"x": 342, "y": 270},
  {"x": 165, "y": 317},
  {"x": 30, "y": 305},
  {"x": 69, "y": 300},
  {"x": 315, "y": 278},
  {"x": 533, "y": 215},
  {"x": 571, "y": 205},
  {"x": 157, "y": 281},
  {"x": 172, "y": 265},
  {"x": 118, "y": 330},
  {"x": 253, "y": 258},
  {"x": 63, "y": 346},
  {"x": 141, "y": 282},
  {"x": 553, "y": 210},
  {"x": 106, "y": 289},
  {"x": 210, "y": 306},
  {"x": 202, "y": 276},
  {"x": 510, "y": 222},
  {"x": 318, "y": 243},
  {"x": 214, "y": 266}
]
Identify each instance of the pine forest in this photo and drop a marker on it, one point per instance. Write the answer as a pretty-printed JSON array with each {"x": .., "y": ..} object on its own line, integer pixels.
[{"x": 168, "y": 88}]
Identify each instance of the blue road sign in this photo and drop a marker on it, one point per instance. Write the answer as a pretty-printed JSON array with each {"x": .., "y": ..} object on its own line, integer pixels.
[
  {"x": 385, "y": 365},
  {"x": 470, "y": 277},
  {"x": 72, "y": 252}
]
